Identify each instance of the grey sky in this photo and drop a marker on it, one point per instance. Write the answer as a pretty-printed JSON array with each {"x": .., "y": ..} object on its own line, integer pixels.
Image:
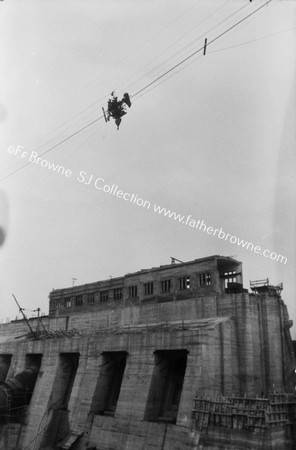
[{"x": 215, "y": 139}]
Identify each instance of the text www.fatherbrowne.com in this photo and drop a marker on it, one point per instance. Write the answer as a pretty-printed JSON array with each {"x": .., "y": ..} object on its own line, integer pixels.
[
  {"x": 99, "y": 184},
  {"x": 220, "y": 234}
]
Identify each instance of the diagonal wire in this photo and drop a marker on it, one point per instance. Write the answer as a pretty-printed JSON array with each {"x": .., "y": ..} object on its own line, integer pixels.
[{"x": 147, "y": 85}]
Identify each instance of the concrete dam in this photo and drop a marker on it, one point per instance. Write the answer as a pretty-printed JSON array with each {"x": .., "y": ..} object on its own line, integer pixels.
[{"x": 176, "y": 357}]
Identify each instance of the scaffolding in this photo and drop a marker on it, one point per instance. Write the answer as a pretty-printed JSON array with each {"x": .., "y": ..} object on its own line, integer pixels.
[
  {"x": 263, "y": 286},
  {"x": 279, "y": 409}
]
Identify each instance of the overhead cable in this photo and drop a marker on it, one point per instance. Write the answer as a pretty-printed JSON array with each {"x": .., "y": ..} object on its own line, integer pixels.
[{"x": 201, "y": 49}]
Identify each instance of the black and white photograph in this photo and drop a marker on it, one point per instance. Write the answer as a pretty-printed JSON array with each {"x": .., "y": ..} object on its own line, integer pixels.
[{"x": 147, "y": 225}]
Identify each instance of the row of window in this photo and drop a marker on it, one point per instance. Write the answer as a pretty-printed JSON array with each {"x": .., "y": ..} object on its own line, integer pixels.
[
  {"x": 184, "y": 283},
  {"x": 90, "y": 298}
]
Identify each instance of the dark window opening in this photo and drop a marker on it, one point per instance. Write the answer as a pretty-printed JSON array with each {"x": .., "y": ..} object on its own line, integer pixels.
[
  {"x": 204, "y": 279},
  {"x": 78, "y": 300},
  {"x": 148, "y": 288},
  {"x": 184, "y": 283},
  {"x": 166, "y": 286},
  {"x": 91, "y": 298},
  {"x": 117, "y": 294},
  {"x": 104, "y": 296},
  {"x": 17, "y": 399},
  {"x": 67, "y": 302},
  {"x": 57, "y": 304},
  {"x": 166, "y": 386},
  {"x": 64, "y": 380},
  {"x": 29, "y": 377},
  {"x": 230, "y": 277},
  {"x": 54, "y": 304},
  {"x": 109, "y": 383},
  {"x": 5, "y": 361},
  {"x": 133, "y": 291}
]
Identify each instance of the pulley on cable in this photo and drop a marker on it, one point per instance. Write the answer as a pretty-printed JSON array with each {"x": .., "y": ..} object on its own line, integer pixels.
[{"x": 116, "y": 108}]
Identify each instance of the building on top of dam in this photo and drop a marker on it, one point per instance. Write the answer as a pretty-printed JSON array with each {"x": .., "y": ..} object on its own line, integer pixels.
[
  {"x": 177, "y": 357},
  {"x": 214, "y": 275}
]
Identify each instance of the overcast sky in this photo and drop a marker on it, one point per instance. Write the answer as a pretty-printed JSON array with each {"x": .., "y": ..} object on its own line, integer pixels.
[{"x": 215, "y": 139}]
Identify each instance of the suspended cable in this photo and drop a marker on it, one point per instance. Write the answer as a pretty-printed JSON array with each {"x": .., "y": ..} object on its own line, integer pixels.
[
  {"x": 54, "y": 138},
  {"x": 154, "y": 70},
  {"x": 24, "y": 194},
  {"x": 201, "y": 48},
  {"x": 253, "y": 40},
  {"x": 124, "y": 58},
  {"x": 55, "y": 146},
  {"x": 176, "y": 42},
  {"x": 160, "y": 77},
  {"x": 140, "y": 46}
]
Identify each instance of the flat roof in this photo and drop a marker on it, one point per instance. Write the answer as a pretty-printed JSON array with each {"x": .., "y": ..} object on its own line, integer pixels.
[
  {"x": 186, "y": 263},
  {"x": 176, "y": 265}
]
